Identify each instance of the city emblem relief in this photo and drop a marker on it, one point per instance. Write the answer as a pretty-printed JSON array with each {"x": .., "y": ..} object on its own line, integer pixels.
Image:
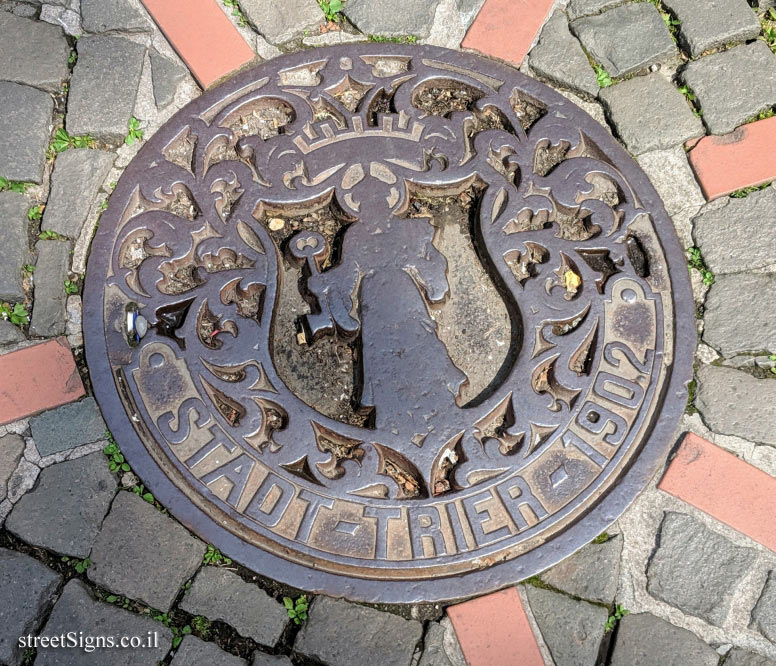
[{"x": 388, "y": 316}]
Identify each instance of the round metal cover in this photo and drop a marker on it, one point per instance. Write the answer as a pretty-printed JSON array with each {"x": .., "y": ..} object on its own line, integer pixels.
[{"x": 390, "y": 322}]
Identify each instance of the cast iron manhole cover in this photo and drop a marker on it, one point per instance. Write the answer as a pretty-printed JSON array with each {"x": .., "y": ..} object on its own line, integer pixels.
[{"x": 417, "y": 326}]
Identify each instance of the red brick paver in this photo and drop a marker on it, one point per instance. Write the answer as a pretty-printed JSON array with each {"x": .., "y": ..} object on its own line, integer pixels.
[
  {"x": 727, "y": 488},
  {"x": 494, "y": 631},
  {"x": 743, "y": 158},
  {"x": 37, "y": 378},
  {"x": 506, "y": 28},
  {"x": 202, "y": 35}
]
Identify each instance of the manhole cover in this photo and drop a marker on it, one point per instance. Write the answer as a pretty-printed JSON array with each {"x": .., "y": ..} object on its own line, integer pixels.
[{"x": 417, "y": 326}]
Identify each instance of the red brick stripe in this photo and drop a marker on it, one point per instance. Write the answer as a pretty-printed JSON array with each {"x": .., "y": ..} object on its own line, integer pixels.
[
  {"x": 727, "y": 488},
  {"x": 494, "y": 631},
  {"x": 743, "y": 158},
  {"x": 202, "y": 35},
  {"x": 37, "y": 378},
  {"x": 506, "y": 28}
]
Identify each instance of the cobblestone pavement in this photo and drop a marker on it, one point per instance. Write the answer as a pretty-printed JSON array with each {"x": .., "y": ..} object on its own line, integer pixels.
[{"x": 687, "y": 576}]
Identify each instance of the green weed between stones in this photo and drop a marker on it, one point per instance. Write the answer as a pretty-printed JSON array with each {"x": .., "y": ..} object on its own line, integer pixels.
[
  {"x": 62, "y": 141},
  {"x": 177, "y": 632},
  {"x": 28, "y": 268},
  {"x": 116, "y": 462},
  {"x": 615, "y": 617},
  {"x": 201, "y": 625},
  {"x": 746, "y": 191},
  {"x": 768, "y": 22},
  {"x": 331, "y": 9},
  {"x": 535, "y": 581},
  {"x": 35, "y": 213},
  {"x": 47, "y": 234},
  {"x": 17, "y": 313},
  {"x": 297, "y": 610},
  {"x": 772, "y": 357},
  {"x": 604, "y": 80},
  {"x": 214, "y": 557},
  {"x": 13, "y": 185},
  {"x": 80, "y": 566},
  {"x": 71, "y": 287},
  {"x": 405, "y": 39},
  {"x": 118, "y": 465},
  {"x": 140, "y": 490},
  {"x": 690, "y": 97},
  {"x": 118, "y": 600},
  {"x": 236, "y": 11},
  {"x": 695, "y": 260},
  {"x": 768, "y": 113},
  {"x": 601, "y": 538},
  {"x": 135, "y": 133},
  {"x": 692, "y": 388}
]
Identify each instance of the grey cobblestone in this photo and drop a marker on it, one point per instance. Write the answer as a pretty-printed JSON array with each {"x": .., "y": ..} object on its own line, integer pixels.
[
  {"x": 104, "y": 87},
  {"x": 666, "y": 121},
  {"x": 219, "y": 594},
  {"x": 448, "y": 29},
  {"x": 68, "y": 19},
  {"x": 11, "y": 451},
  {"x": 68, "y": 426},
  {"x": 73, "y": 325},
  {"x": 261, "y": 659},
  {"x": 112, "y": 15},
  {"x": 578, "y": 8},
  {"x": 78, "y": 174},
  {"x": 10, "y": 333},
  {"x": 736, "y": 234},
  {"x": 32, "y": 52},
  {"x": 572, "y": 629},
  {"x": 594, "y": 109},
  {"x": 195, "y": 652},
  {"x": 646, "y": 640},
  {"x": 737, "y": 298},
  {"x": 440, "y": 646},
  {"x": 469, "y": 10},
  {"x": 739, "y": 657},
  {"x": 764, "y": 613},
  {"x": 66, "y": 509},
  {"x": 25, "y": 125},
  {"x": 22, "y": 480},
  {"x": 714, "y": 23},
  {"x": 51, "y": 268},
  {"x": 76, "y": 610},
  {"x": 670, "y": 173},
  {"x": 626, "y": 39},
  {"x": 333, "y": 38},
  {"x": 166, "y": 77},
  {"x": 14, "y": 243},
  {"x": 20, "y": 9},
  {"x": 734, "y": 85},
  {"x": 281, "y": 22},
  {"x": 559, "y": 58},
  {"x": 5, "y": 509},
  {"x": 695, "y": 569},
  {"x": 404, "y": 17},
  {"x": 26, "y": 588},
  {"x": 143, "y": 554},
  {"x": 339, "y": 633},
  {"x": 591, "y": 573}
]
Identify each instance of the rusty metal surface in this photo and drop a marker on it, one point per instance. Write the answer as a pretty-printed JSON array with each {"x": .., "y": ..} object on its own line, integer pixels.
[{"x": 418, "y": 327}]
